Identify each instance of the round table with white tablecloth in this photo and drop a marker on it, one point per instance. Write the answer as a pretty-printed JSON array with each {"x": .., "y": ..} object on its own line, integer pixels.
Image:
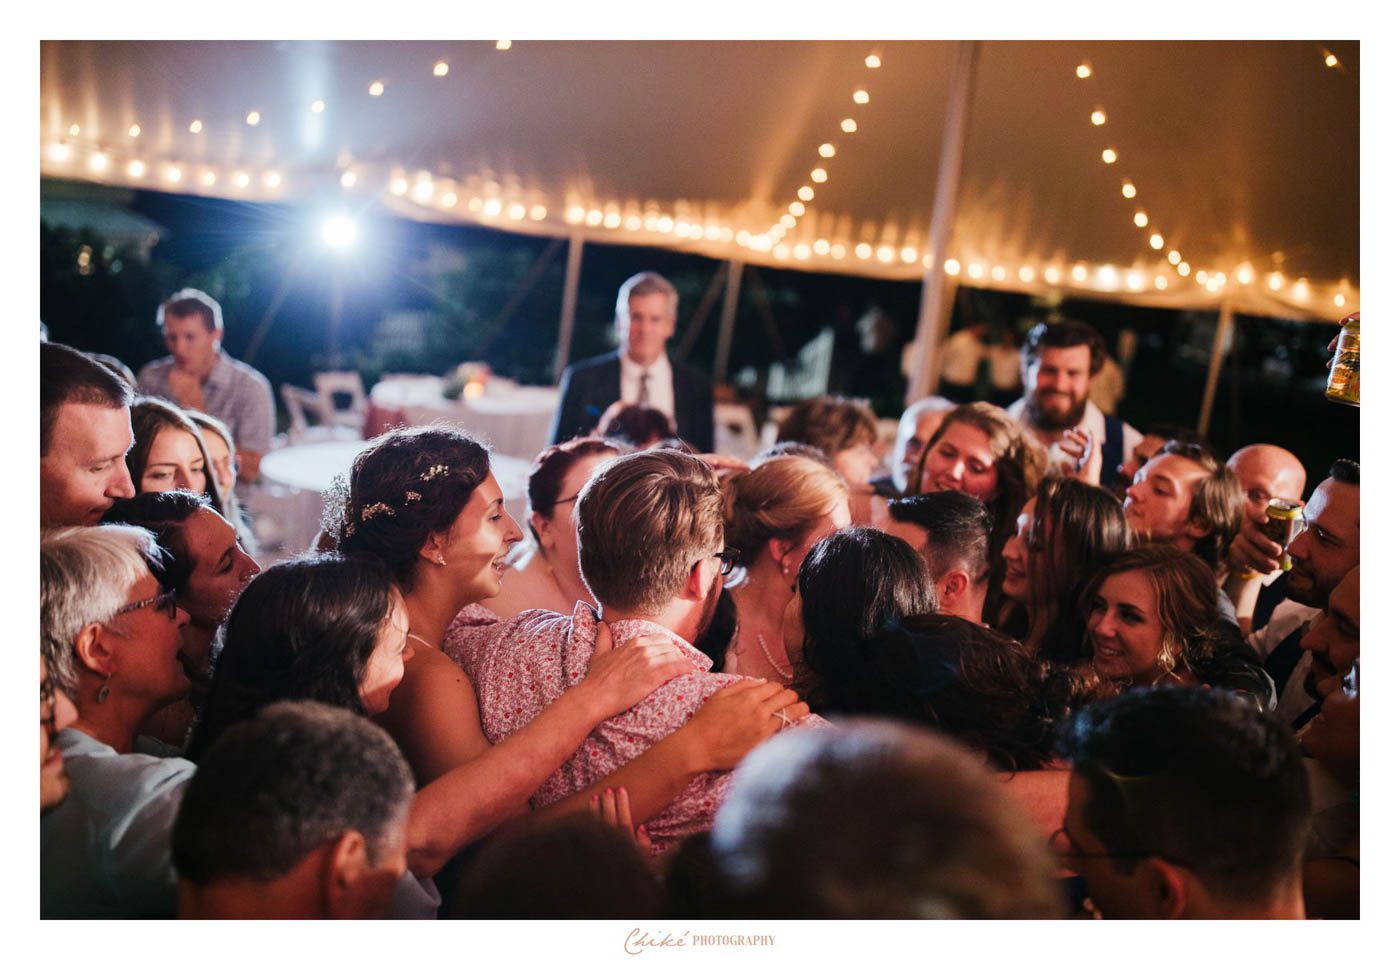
[
  {"x": 286, "y": 506},
  {"x": 514, "y": 420}
]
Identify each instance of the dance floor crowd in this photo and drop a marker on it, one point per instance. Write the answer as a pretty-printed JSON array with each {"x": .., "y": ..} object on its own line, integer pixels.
[{"x": 1035, "y": 663}]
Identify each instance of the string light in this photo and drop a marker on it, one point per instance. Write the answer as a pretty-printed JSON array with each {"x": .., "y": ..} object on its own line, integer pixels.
[
  {"x": 806, "y": 193},
  {"x": 449, "y": 199},
  {"x": 974, "y": 271},
  {"x": 74, "y": 130},
  {"x": 502, "y": 44},
  {"x": 1098, "y": 118},
  {"x": 1331, "y": 61},
  {"x": 873, "y": 61},
  {"x": 491, "y": 207},
  {"x": 208, "y": 178},
  {"x": 848, "y": 125},
  {"x": 819, "y": 175},
  {"x": 1300, "y": 289},
  {"x": 423, "y": 190},
  {"x": 398, "y": 186},
  {"x": 1275, "y": 281},
  {"x": 1110, "y": 155},
  {"x": 1026, "y": 274},
  {"x": 951, "y": 267},
  {"x": 593, "y": 217},
  {"x": 827, "y": 150},
  {"x": 376, "y": 89},
  {"x": 908, "y": 254},
  {"x": 272, "y": 180},
  {"x": 1155, "y": 241},
  {"x": 440, "y": 68},
  {"x": 60, "y": 152},
  {"x": 1244, "y": 275},
  {"x": 241, "y": 179},
  {"x": 1160, "y": 282},
  {"x": 1339, "y": 300},
  {"x": 863, "y": 251},
  {"x": 1080, "y": 273},
  {"x": 802, "y": 251},
  {"x": 613, "y": 220},
  {"x": 998, "y": 273},
  {"x": 664, "y": 223},
  {"x": 1052, "y": 275},
  {"x": 134, "y": 131},
  {"x": 538, "y": 212},
  {"x": 1129, "y": 191},
  {"x": 174, "y": 174},
  {"x": 861, "y": 96},
  {"x": 796, "y": 208},
  {"x": 347, "y": 179},
  {"x": 317, "y": 106},
  {"x": 838, "y": 251},
  {"x": 1174, "y": 257},
  {"x": 1084, "y": 71},
  {"x": 136, "y": 169},
  {"x": 1140, "y": 219},
  {"x": 253, "y": 118},
  {"x": 788, "y": 221},
  {"x": 822, "y": 247},
  {"x": 1184, "y": 268},
  {"x": 196, "y": 126}
]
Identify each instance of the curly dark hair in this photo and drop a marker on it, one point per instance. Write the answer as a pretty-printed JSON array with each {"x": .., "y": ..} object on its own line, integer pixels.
[
  {"x": 303, "y": 629},
  {"x": 406, "y": 485},
  {"x": 972, "y": 683},
  {"x": 852, "y": 583}
]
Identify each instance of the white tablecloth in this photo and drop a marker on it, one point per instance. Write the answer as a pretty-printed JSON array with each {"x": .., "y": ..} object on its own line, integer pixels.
[
  {"x": 287, "y": 506},
  {"x": 512, "y": 419}
]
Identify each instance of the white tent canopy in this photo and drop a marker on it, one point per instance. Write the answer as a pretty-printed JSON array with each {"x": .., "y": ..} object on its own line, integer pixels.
[{"x": 1240, "y": 156}]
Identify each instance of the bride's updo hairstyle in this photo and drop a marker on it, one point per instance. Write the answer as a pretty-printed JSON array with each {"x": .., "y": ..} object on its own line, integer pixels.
[{"x": 407, "y": 484}]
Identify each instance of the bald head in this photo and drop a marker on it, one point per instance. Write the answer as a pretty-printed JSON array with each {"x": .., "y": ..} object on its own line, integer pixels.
[{"x": 1265, "y": 472}]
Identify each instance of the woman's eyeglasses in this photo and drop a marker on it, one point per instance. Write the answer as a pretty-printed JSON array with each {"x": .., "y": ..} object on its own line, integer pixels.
[{"x": 164, "y": 602}]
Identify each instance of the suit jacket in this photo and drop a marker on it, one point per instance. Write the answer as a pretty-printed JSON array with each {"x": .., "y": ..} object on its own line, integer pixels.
[{"x": 591, "y": 386}]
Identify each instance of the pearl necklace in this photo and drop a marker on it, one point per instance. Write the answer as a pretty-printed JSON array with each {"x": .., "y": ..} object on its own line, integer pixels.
[{"x": 786, "y": 675}]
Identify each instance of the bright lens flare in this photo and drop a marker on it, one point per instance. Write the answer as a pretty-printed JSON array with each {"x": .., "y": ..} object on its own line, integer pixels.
[{"x": 339, "y": 232}]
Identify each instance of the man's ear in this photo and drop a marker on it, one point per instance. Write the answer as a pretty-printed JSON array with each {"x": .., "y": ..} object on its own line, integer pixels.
[
  {"x": 952, "y": 587},
  {"x": 697, "y": 585},
  {"x": 1168, "y": 887},
  {"x": 94, "y": 648},
  {"x": 1197, "y": 528},
  {"x": 544, "y": 530},
  {"x": 343, "y": 870}
]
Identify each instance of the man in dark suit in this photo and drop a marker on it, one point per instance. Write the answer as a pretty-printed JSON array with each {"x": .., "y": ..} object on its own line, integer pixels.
[{"x": 640, "y": 372}]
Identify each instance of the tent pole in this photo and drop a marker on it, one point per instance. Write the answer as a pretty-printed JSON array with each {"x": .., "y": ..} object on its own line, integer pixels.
[
  {"x": 732, "y": 281},
  {"x": 1223, "y": 323},
  {"x": 567, "y": 309},
  {"x": 936, "y": 302}
]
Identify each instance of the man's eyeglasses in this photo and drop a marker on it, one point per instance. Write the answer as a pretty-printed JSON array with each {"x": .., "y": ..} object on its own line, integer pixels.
[
  {"x": 164, "y": 602},
  {"x": 1069, "y": 851},
  {"x": 728, "y": 557}
]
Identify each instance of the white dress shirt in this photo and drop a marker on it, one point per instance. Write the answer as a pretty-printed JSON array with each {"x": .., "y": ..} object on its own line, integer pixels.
[{"x": 660, "y": 393}]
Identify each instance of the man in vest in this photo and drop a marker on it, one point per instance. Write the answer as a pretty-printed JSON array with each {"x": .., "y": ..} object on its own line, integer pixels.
[
  {"x": 1322, "y": 555},
  {"x": 1057, "y": 362}
]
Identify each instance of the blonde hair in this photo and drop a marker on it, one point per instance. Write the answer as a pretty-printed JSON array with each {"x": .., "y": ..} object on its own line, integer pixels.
[
  {"x": 644, "y": 520},
  {"x": 782, "y": 497}
]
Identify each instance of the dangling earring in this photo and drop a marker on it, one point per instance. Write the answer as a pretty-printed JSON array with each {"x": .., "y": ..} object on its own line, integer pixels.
[
  {"x": 104, "y": 691},
  {"x": 441, "y": 561}
]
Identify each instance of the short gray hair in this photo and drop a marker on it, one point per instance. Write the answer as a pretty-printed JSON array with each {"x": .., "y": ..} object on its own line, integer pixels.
[
  {"x": 641, "y": 284},
  {"x": 85, "y": 574}
]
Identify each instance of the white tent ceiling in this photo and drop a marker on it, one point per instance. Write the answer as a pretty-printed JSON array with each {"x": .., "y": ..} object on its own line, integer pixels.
[{"x": 1242, "y": 155}]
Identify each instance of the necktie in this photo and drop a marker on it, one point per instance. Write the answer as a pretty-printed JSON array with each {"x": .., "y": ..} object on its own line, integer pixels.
[{"x": 643, "y": 395}]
